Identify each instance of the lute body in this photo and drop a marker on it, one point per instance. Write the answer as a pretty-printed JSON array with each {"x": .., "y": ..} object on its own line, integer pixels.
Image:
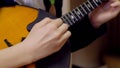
[{"x": 13, "y": 24}]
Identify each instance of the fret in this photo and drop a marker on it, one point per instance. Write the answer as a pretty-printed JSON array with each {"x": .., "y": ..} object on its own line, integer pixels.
[
  {"x": 76, "y": 12},
  {"x": 87, "y": 7},
  {"x": 70, "y": 18},
  {"x": 76, "y": 15},
  {"x": 90, "y": 4},
  {"x": 73, "y": 16},
  {"x": 80, "y": 11},
  {"x": 95, "y": 2},
  {"x": 98, "y": 2},
  {"x": 64, "y": 20},
  {"x": 70, "y": 23},
  {"x": 83, "y": 9}
]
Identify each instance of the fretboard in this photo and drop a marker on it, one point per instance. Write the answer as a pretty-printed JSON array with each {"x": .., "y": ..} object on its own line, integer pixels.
[{"x": 81, "y": 11}]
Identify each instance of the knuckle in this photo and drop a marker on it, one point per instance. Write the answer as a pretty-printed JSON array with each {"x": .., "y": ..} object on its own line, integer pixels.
[
  {"x": 47, "y": 18},
  {"x": 52, "y": 26},
  {"x": 66, "y": 26},
  {"x": 36, "y": 25},
  {"x": 57, "y": 33},
  {"x": 58, "y": 48},
  {"x": 60, "y": 20}
]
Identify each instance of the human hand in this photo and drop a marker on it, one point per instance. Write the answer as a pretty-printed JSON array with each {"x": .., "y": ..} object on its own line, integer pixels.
[
  {"x": 45, "y": 38},
  {"x": 105, "y": 12}
]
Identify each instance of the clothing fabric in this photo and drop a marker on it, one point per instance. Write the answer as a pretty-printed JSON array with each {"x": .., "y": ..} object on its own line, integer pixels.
[
  {"x": 83, "y": 33},
  {"x": 7, "y": 3},
  {"x": 32, "y": 3}
]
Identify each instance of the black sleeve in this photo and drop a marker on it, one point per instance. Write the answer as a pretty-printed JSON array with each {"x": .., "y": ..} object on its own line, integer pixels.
[
  {"x": 83, "y": 33},
  {"x": 7, "y": 3}
]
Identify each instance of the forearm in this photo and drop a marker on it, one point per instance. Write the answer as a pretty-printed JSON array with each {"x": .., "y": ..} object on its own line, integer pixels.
[{"x": 14, "y": 56}]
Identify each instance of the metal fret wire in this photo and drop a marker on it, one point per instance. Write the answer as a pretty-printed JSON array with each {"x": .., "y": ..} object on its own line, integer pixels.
[{"x": 80, "y": 12}]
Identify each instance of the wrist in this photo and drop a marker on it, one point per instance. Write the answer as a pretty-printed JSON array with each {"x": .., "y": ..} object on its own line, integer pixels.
[
  {"x": 23, "y": 56},
  {"x": 25, "y": 53},
  {"x": 33, "y": 52}
]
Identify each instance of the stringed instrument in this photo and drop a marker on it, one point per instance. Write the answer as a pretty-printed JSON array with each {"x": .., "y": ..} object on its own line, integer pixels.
[{"x": 17, "y": 21}]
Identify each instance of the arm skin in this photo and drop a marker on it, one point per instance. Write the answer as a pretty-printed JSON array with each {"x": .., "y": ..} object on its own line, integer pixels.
[{"x": 46, "y": 38}]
